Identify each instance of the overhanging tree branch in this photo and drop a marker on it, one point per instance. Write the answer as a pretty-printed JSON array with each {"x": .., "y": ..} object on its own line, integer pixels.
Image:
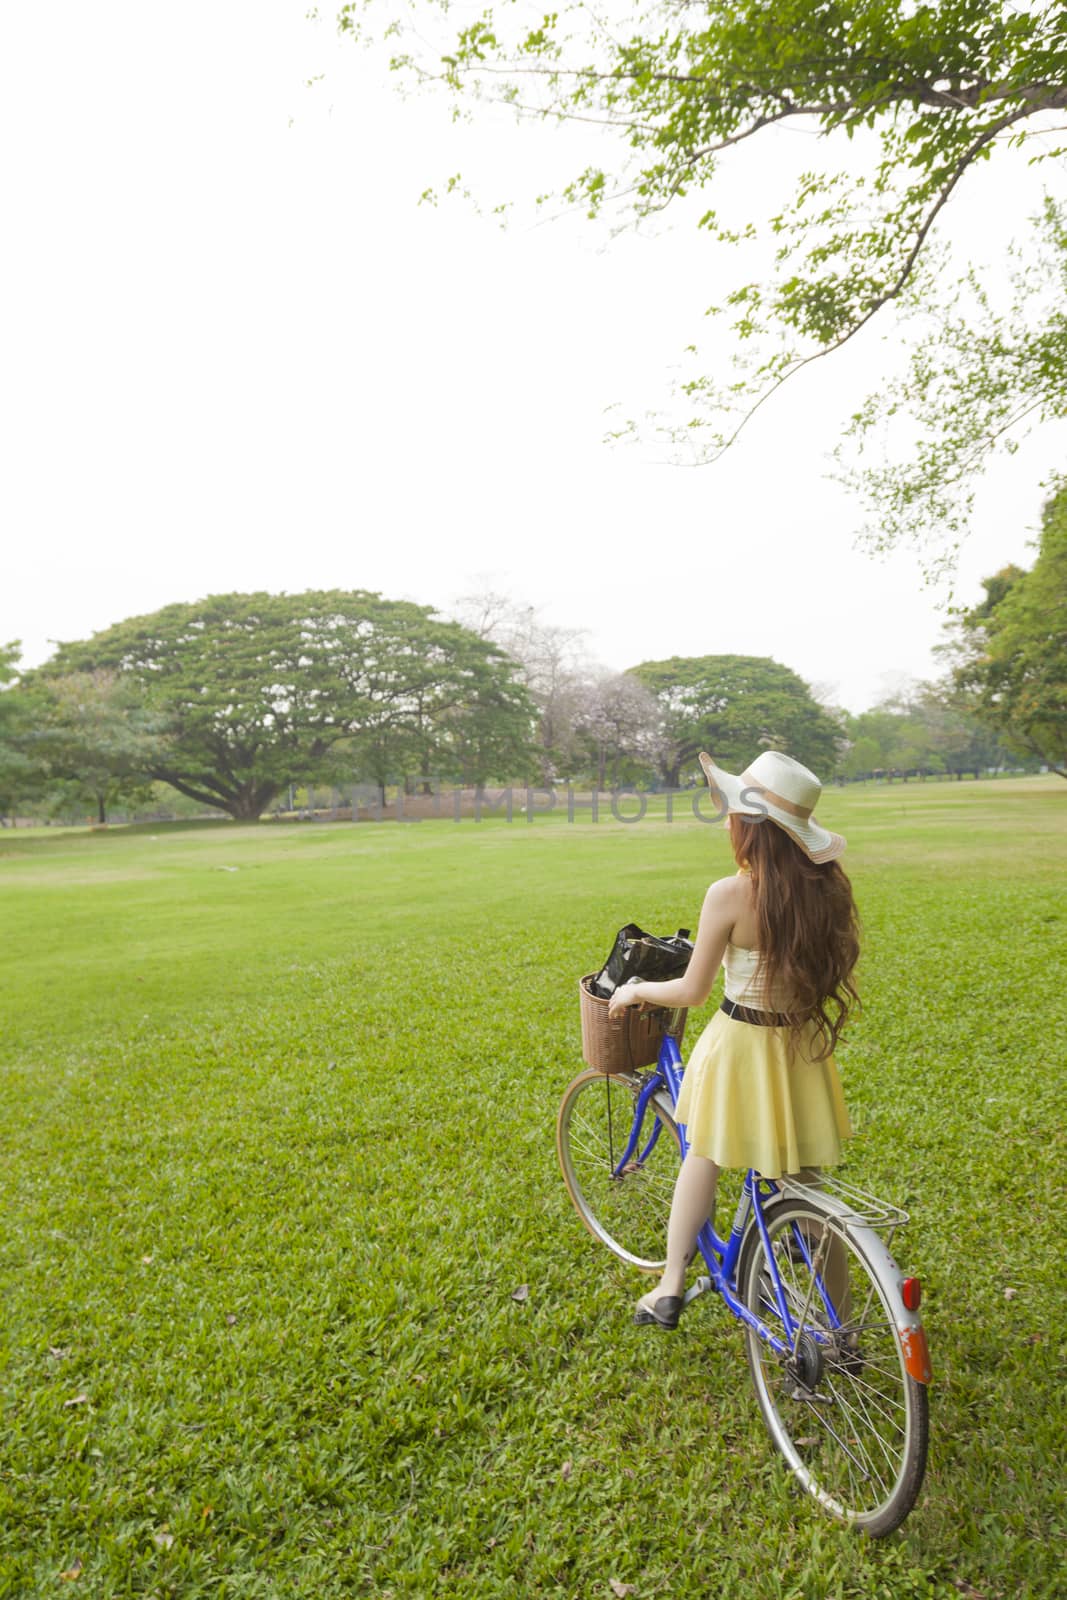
[
  {"x": 898, "y": 285},
  {"x": 934, "y": 87}
]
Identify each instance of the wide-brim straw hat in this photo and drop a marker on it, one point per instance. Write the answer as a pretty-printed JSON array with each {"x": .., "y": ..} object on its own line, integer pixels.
[{"x": 778, "y": 787}]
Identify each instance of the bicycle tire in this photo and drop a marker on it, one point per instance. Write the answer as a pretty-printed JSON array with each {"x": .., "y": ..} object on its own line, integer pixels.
[
  {"x": 844, "y": 1412},
  {"x": 628, "y": 1214}
]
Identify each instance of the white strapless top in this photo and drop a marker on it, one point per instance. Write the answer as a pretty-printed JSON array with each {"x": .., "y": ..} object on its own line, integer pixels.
[{"x": 744, "y": 983}]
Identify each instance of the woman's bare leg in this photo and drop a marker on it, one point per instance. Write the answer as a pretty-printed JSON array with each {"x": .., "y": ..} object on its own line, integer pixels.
[{"x": 692, "y": 1205}]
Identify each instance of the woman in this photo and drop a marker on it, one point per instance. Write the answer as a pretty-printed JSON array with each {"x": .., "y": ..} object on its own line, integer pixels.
[{"x": 761, "y": 1088}]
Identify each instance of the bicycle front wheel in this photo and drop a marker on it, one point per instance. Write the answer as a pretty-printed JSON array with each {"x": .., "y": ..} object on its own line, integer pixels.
[
  {"x": 840, "y": 1405},
  {"x": 625, "y": 1210}
]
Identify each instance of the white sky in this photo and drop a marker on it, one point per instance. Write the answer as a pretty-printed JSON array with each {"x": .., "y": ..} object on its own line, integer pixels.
[{"x": 237, "y": 354}]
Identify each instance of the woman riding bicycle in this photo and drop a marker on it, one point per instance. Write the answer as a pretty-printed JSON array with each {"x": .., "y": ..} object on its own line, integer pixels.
[{"x": 761, "y": 1088}]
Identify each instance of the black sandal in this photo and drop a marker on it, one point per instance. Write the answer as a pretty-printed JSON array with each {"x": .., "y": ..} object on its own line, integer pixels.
[{"x": 665, "y": 1312}]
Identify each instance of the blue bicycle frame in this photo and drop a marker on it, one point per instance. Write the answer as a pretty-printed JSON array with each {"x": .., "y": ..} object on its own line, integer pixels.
[{"x": 721, "y": 1255}]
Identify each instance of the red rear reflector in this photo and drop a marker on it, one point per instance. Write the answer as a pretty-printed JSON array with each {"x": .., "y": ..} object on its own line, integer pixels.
[
  {"x": 916, "y": 1355},
  {"x": 911, "y": 1292}
]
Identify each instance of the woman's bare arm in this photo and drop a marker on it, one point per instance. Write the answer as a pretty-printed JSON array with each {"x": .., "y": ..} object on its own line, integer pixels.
[{"x": 717, "y": 916}]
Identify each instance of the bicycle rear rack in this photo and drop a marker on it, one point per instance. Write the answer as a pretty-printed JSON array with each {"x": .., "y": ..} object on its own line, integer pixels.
[{"x": 859, "y": 1209}]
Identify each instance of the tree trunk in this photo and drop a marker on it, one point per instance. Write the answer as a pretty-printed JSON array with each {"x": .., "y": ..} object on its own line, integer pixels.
[
  {"x": 101, "y": 809},
  {"x": 250, "y": 801}
]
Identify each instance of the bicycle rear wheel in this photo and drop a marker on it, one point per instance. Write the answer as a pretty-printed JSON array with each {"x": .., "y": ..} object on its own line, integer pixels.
[
  {"x": 627, "y": 1212},
  {"x": 841, "y": 1406}
]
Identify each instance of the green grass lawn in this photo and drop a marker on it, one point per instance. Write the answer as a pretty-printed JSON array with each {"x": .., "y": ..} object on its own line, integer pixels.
[{"x": 277, "y": 1110}]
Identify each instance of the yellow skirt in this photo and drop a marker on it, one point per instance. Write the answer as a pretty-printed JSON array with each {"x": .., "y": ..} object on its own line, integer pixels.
[{"x": 749, "y": 1098}]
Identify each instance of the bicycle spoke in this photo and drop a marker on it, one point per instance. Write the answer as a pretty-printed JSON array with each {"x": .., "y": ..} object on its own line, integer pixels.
[
  {"x": 647, "y": 1179},
  {"x": 856, "y": 1450},
  {"x": 855, "y": 1412},
  {"x": 858, "y": 1383},
  {"x": 820, "y": 1414},
  {"x": 625, "y": 1210}
]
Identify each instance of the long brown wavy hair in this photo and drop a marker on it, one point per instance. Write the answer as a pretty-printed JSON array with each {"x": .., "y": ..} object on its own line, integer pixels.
[{"x": 808, "y": 928}]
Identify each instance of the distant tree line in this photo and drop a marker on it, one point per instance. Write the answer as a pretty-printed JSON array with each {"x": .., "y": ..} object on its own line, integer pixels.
[{"x": 234, "y": 699}]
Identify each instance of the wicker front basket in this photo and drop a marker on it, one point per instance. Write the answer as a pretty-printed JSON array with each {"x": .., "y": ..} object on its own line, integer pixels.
[{"x": 626, "y": 1042}]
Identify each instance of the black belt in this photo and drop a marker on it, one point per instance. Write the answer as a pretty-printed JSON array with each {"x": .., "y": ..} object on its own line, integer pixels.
[{"x": 762, "y": 1019}]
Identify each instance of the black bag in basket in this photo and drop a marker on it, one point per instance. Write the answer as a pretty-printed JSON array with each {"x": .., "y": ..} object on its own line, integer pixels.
[{"x": 638, "y": 954}]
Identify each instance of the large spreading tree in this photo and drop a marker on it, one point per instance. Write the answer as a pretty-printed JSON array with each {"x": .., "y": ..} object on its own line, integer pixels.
[
  {"x": 909, "y": 102},
  {"x": 249, "y": 692},
  {"x": 735, "y": 707}
]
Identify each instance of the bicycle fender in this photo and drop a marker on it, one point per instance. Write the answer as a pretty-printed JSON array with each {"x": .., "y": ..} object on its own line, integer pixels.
[
  {"x": 661, "y": 1101},
  {"x": 909, "y": 1324}
]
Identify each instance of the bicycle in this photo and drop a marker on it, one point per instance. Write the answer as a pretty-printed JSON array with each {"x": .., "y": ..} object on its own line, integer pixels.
[{"x": 836, "y": 1349}]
